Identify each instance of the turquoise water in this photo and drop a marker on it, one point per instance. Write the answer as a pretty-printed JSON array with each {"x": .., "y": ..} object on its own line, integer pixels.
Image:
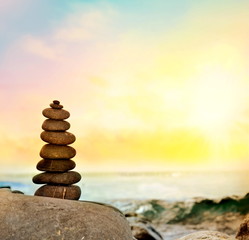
[{"x": 169, "y": 186}]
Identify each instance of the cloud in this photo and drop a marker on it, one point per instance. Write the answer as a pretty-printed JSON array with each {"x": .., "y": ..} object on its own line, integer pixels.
[
  {"x": 82, "y": 26},
  {"x": 72, "y": 38},
  {"x": 39, "y": 48},
  {"x": 134, "y": 91}
]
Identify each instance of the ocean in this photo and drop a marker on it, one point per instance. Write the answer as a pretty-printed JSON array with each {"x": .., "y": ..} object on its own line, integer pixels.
[{"x": 169, "y": 186}]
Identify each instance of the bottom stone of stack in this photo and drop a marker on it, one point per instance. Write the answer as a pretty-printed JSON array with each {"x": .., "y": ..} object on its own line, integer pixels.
[{"x": 71, "y": 192}]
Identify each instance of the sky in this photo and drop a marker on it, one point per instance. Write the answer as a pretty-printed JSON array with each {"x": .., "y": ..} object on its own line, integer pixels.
[{"x": 150, "y": 85}]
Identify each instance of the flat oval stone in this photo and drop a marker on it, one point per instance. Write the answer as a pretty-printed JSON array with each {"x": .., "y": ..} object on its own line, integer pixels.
[
  {"x": 56, "y": 106},
  {"x": 58, "y": 138},
  {"x": 56, "y": 114},
  {"x": 71, "y": 192},
  {"x": 55, "y": 165},
  {"x": 55, "y": 125},
  {"x": 51, "y": 151},
  {"x": 66, "y": 178}
]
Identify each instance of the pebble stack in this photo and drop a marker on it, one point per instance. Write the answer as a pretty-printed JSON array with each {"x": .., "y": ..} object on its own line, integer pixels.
[{"x": 56, "y": 154}]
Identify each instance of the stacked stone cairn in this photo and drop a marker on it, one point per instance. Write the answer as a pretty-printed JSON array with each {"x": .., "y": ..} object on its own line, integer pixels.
[{"x": 56, "y": 162}]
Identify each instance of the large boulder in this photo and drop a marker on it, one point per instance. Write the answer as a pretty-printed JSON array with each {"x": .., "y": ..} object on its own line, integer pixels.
[
  {"x": 206, "y": 235},
  {"x": 243, "y": 233},
  {"x": 32, "y": 218}
]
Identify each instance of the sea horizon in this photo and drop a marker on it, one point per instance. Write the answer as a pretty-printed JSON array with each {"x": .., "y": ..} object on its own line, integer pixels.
[{"x": 166, "y": 185}]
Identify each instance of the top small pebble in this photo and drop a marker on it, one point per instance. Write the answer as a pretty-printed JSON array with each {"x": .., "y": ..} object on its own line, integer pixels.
[
  {"x": 56, "y": 105},
  {"x": 55, "y": 112}
]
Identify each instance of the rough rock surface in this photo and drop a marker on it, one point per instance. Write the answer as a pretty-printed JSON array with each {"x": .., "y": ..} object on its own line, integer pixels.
[
  {"x": 243, "y": 233},
  {"x": 206, "y": 235},
  {"x": 32, "y": 217}
]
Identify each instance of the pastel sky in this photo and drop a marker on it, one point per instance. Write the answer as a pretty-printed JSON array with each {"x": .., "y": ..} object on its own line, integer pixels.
[{"x": 150, "y": 85}]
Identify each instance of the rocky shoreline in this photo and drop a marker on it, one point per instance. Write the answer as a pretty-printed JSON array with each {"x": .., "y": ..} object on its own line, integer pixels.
[{"x": 176, "y": 219}]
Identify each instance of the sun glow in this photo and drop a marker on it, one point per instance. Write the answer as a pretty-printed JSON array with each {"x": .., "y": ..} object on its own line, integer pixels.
[
  {"x": 143, "y": 89},
  {"x": 217, "y": 111},
  {"x": 216, "y": 103}
]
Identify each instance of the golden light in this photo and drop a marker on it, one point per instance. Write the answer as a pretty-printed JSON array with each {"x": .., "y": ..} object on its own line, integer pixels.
[{"x": 216, "y": 102}]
